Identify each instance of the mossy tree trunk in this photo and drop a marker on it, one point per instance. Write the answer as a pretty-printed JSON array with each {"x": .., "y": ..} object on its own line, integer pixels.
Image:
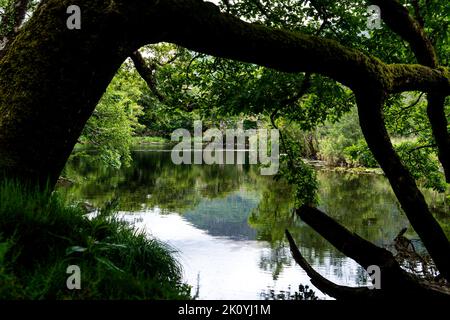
[{"x": 51, "y": 79}]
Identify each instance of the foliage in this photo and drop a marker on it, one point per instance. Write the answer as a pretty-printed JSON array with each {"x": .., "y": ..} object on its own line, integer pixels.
[
  {"x": 336, "y": 136},
  {"x": 422, "y": 164},
  {"x": 149, "y": 140},
  {"x": 312, "y": 109},
  {"x": 6, "y": 18},
  {"x": 359, "y": 154},
  {"x": 41, "y": 236},
  {"x": 301, "y": 176},
  {"x": 115, "y": 119}
]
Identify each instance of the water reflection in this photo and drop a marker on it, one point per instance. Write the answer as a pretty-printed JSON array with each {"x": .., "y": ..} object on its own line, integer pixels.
[{"x": 228, "y": 222}]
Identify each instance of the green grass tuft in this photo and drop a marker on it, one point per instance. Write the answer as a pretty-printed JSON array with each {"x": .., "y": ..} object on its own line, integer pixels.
[{"x": 41, "y": 235}]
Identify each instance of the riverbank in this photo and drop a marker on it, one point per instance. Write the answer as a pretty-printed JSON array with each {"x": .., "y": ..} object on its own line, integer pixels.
[
  {"x": 138, "y": 142},
  {"x": 323, "y": 165},
  {"x": 50, "y": 249}
]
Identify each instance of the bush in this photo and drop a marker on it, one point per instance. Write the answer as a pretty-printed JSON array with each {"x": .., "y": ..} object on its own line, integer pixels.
[
  {"x": 360, "y": 155},
  {"x": 336, "y": 137},
  {"x": 41, "y": 235},
  {"x": 423, "y": 164}
]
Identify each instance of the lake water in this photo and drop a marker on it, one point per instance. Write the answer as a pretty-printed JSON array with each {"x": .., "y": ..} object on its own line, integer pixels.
[{"x": 227, "y": 222}]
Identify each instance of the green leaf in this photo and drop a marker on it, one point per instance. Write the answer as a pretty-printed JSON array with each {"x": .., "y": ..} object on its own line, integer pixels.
[
  {"x": 108, "y": 264},
  {"x": 74, "y": 249}
]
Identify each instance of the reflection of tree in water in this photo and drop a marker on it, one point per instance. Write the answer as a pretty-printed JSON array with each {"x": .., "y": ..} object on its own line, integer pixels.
[
  {"x": 275, "y": 259},
  {"x": 153, "y": 180},
  {"x": 225, "y": 217},
  {"x": 363, "y": 203},
  {"x": 237, "y": 202},
  {"x": 302, "y": 293}
]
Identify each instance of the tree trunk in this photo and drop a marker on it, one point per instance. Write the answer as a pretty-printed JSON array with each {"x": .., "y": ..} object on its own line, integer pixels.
[
  {"x": 403, "y": 184},
  {"x": 51, "y": 79}
]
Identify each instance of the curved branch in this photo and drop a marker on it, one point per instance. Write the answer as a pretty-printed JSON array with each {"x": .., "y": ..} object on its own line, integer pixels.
[
  {"x": 394, "y": 280},
  {"x": 398, "y": 19},
  {"x": 403, "y": 184},
  {"x": 223, "y": 35},
  {"x": 323, "y": 284}
]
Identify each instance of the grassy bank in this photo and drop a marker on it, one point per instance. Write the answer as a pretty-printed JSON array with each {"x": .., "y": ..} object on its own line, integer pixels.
[{"x": 41, "y": 235}]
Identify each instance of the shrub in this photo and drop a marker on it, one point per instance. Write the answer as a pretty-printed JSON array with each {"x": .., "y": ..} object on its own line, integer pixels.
[
  {"x": 360, "y": 155},
  {"x": 336, "y": 137}
]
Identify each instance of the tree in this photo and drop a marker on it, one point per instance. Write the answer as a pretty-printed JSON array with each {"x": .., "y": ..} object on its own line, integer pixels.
[{"x": 51, "y": 79}]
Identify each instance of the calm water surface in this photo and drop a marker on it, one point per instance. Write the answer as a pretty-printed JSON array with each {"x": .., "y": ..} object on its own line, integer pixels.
[{"x": 227, "y": 222}]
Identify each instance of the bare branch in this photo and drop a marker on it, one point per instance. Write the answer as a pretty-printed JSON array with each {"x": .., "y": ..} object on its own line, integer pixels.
[
  {"x": 394, "y": 280},
  {"x": 323, "y": 284}
]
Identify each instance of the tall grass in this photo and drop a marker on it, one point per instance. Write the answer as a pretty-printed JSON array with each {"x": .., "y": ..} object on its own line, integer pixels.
[{"x": 41, "y": 235}]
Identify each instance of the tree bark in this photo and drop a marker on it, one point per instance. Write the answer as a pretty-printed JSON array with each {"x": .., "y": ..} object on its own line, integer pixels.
[
  {"x": 146, "y": 71},
  {"x": 51, "y": 79}
]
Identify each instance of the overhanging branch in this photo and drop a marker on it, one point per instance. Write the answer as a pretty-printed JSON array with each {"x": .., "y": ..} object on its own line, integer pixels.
[{"x": 209, "y": 31}]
